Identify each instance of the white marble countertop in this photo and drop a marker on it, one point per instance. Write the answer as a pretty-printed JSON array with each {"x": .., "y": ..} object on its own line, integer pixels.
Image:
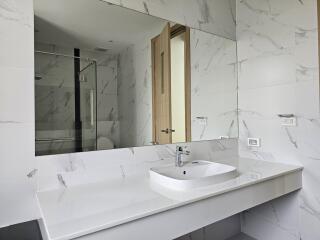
[{"x": 80, "y": 210}]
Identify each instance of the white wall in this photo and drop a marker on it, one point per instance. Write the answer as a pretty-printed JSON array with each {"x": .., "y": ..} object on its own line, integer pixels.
[
  {"x": 17, "y": 190},
  {"x": 278, "y": 73}
]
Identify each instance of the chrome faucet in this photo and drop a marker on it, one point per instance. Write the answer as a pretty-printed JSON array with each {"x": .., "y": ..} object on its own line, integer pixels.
[{"x": 179, "y": 153}]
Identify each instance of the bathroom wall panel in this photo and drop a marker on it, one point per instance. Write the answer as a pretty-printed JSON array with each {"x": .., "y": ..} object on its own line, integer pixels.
[
  {"x": 213, "y": 86},
  {"x": 67, "y": 170},
  {"x": 278, "y": 74},
  {"x": 214, "y": 16},
  {"x": 17, "y": 161},
  {"x": 135, "y": 92}
]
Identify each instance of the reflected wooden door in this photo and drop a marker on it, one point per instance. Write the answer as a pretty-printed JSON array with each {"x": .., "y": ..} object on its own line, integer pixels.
[{"x": 162, "y": 132}]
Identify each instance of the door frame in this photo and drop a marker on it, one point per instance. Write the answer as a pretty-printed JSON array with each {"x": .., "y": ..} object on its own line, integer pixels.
[{"x": 174, "y": 31}]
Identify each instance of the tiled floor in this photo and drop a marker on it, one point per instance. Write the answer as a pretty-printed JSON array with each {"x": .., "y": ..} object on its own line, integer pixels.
[{"x": 21, "y": 231}]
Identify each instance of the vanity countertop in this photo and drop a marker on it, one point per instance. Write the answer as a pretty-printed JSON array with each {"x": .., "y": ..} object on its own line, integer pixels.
[{"x": 76, "y": 211}]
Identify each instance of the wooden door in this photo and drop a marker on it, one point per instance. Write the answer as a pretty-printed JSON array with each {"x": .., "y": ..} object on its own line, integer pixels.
[{"x": 162, "y": 132}]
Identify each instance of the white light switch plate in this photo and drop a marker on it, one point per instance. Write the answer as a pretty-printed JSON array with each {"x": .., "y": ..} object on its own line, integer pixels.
[{"x": 254, "y": 142}]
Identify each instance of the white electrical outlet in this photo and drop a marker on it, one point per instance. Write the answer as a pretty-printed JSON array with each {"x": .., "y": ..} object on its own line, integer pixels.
[
  {"x": 290, "y": 121},
  {"x": 254, "y": 142}
]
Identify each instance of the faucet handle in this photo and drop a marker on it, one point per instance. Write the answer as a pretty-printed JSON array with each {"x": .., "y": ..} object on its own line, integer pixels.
[{"x": 181, "y": 150}]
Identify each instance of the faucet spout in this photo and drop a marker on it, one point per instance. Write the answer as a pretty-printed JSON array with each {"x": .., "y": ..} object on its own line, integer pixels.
[{"x": 179, "y": 152}]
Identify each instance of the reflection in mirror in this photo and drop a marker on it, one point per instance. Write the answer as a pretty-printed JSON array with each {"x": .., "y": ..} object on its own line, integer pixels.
[{"x": 108, "y": 77}]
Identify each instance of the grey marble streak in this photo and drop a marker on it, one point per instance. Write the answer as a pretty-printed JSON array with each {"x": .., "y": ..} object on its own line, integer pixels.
[
  {"x": 32, "y": 173},
  {"x": 9, "y": 122},
  {"x": 61, "y": 180}
]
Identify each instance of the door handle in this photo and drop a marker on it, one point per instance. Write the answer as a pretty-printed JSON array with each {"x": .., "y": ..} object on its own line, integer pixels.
[{"x": 167, "y": 131}]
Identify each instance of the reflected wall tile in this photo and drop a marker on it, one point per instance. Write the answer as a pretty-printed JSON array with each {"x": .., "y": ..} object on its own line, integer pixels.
[
  {"x": 215, "y": 16},
  {"x": 214, "y": 79}
]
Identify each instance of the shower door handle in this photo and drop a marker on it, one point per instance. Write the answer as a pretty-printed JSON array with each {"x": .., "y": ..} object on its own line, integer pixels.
[{"x": 92, "y": 107}]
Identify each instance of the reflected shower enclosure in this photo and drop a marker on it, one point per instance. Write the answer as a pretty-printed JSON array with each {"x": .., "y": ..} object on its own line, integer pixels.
[{"x": 65, "y": 102}]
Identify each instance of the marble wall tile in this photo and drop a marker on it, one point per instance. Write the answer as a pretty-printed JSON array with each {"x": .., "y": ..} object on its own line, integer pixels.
[
  {"x": 278, "y": 73},
  {"x": 277, "y": 219},
  {"x": 66, "y": 170},
  {"x": 214, "y": 79},
  {"x": 17, "y": 161},
  {"x": 214, "y": 16},
  {"x": 135, "y": 92}
]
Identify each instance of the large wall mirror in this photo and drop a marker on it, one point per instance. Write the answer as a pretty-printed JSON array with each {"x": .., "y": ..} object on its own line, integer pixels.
[{"x": 108, "y": 77}]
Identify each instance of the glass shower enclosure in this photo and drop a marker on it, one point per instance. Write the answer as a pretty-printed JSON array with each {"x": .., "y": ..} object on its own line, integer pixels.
[{"x": 65, "y": 103}]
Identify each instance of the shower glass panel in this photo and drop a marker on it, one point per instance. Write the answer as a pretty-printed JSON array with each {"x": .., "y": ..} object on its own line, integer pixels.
[
  {"x": 88, "y": 103},
  {"x": 55, "y": 104}
]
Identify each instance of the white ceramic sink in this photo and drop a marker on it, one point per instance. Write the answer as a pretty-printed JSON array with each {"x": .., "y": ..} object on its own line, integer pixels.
[{"x": 192, "y": 175}]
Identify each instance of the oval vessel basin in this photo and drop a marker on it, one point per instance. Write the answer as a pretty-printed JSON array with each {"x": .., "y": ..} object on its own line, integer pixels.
[{"x": 192, "y": 175}]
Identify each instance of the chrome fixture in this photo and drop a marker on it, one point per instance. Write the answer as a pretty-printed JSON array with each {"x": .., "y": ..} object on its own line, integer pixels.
[{"x": 179, "y": 152}]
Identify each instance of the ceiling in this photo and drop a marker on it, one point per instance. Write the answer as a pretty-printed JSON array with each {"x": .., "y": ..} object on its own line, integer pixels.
[{"x": 90, "y": 24}]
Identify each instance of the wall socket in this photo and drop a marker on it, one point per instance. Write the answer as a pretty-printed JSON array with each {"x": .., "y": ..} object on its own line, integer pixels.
[
  {"x": 254, "y": 142},
  {"x": 289, "y": 121}
]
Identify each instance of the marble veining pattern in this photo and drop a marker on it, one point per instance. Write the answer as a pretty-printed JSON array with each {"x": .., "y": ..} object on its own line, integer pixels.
[
  {"x": 88, "y": 167},
  {"x": 115, "y": 201},
  {"x": 214, "y": 16},
  {"x": 135, "y": 93},
  {"x": 214, "y": 79},
  {"x": 278, "y": 74},
  {"x": 17, "y": 194}
]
